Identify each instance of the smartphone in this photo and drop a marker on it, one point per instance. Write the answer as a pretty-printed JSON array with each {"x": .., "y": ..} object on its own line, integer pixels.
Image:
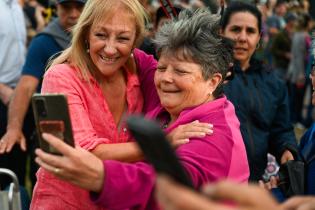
[
  {"x": 157, "y": 149},
  {"x": 51, "y": 115}
]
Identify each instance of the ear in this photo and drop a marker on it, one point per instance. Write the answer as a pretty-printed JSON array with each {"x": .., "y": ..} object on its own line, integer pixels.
[{"x": 214, "y": 82}]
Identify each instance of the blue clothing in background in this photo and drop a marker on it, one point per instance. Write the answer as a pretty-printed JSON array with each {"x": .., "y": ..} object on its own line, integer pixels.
[
  {"x": 307, "y": 152},
  {"x": 41, "y": 49},
  {"x": 261, "y": 104}
]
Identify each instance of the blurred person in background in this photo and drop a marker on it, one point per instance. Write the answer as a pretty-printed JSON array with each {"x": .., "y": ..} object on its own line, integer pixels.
[
  {"x": 275, "y": 23},
  {"x": 35, "y": 17},
  {"x": 12, "y": 57},
  {"x": 51, "y": 41},
  {"x": 259, "y": 96},
  {"x": 281, "y": 46},
  {"x": 296, "y": 74}
]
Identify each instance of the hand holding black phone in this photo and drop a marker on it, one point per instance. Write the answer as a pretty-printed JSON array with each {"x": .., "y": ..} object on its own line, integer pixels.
[{"x": 157, "y": 149}]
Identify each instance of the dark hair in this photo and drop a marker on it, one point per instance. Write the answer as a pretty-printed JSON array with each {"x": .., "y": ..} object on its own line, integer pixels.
[
  {"x": 160, "y": 13},
  {"x": 236, "y": 7},
  {"x": 305, "y": 19}
]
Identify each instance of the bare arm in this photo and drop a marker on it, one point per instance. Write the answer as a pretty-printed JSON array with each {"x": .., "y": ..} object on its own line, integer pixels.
[
  {"x": 125, "y": 152},
  {"x": 130, "y": 152},
  {"x": 16, "y": 113}
]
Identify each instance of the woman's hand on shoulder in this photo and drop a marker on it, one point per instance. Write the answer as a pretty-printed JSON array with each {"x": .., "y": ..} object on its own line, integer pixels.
[{"x": 183, "y": 133}]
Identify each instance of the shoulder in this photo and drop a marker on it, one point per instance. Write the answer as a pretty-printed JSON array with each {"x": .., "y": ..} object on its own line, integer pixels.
[
  {"x": 143, "y": 59},
  {"x": 41, "y": 37},
  {"x": 44, "y": 43},
  {"x": 65, "y": 71}
]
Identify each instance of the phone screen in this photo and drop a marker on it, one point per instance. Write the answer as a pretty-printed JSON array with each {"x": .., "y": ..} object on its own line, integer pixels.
[{"x": 54, "y": 127}]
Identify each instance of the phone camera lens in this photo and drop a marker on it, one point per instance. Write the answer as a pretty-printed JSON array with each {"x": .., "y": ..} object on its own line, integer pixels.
[{"x": 41, "y": 108}]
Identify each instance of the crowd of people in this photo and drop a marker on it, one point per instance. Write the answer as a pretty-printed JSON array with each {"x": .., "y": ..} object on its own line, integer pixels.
[{"x": 228, "y": 81}]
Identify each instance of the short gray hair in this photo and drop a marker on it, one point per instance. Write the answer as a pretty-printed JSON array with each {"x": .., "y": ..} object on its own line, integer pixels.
[{"x": 196, "y": 36}]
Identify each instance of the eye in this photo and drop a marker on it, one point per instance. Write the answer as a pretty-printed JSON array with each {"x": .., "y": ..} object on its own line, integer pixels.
[
  {"x": 124, "y": 38},
  {"x": 180, "y": 71},
  {"x": 161, "y": 68},
  {"x": 100, "y": 35},
  {"x": 251, "y": 30},
  {"x": 235, "y": 29}
]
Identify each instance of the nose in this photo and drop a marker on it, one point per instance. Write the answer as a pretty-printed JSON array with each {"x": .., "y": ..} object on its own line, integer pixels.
[
  {"x": 74, "y": 12},
  {"x": 167, "y": 75},
  {"x": 110, "y": 48},
  {"x": 242, "y": 36}
]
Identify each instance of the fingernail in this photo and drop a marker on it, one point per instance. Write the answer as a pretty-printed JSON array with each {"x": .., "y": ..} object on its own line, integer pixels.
[
  {"x": 208, "y": 189},
  {"x": 210, "y": 125},
  {"x": 186, "y": 140},
  {"x": 209, "y": 132},
  {"x": 202, "y": 134}
]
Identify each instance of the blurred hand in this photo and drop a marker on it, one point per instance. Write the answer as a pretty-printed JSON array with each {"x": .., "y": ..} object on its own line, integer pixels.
[
  {"x": 10, "y": 138},
  {"x": 173, "y": 196},
  {"x": 299, "y": 203},
  {"x": 6, "y": 93},
  {"x": 249, "y": 197},
  {"x": 182, "y": 133},
  {"x": 286, "y": 156},
  {"x": 273, "y": 183},
  {"x": 76, "y": 166}
]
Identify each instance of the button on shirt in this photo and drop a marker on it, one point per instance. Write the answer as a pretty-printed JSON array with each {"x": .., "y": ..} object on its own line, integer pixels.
[{"x": 12, "y": 41}]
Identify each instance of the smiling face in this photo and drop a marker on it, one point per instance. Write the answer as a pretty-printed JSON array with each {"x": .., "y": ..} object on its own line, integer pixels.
[
  {"x": 111, "y": 42},
  {"x": 243, "y": 29},
  {"x": 180, "y": 84}
]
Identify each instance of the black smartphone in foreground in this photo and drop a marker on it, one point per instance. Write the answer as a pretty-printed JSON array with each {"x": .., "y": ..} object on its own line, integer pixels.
[
  {"x": 156, "y": 149},
  {"x": 51, "y": 115}
]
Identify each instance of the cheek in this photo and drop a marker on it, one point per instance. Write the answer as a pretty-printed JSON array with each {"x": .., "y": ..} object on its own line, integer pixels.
[{"x": 157, "y": 79}]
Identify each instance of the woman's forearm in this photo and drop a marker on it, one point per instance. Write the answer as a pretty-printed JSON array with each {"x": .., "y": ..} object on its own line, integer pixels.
[{"x": 125, "y": 152}]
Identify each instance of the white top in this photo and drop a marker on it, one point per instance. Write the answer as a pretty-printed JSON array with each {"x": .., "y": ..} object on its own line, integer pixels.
[{"x": 12, "y": 41}]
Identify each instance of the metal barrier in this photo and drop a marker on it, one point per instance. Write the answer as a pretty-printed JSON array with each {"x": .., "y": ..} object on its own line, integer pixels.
[{"x": 10, "y": 199}]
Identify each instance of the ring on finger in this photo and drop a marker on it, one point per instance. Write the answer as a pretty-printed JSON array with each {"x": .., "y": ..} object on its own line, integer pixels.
[{"x": 57, "y": 170}]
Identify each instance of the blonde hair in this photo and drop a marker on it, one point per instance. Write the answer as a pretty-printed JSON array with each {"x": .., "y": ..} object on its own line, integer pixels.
[{"x": 93, "y": 13}]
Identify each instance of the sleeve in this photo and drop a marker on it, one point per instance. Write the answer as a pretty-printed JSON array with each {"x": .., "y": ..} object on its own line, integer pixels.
[
  {"x": 281, "y": 133},
  {"x": 60, "y": 82},
  {"x": 146, "y": 66},
  {"x": 37, "y": 57},
  {"x": 206, "y": 160},
  {"x": 126, "y": 186}
]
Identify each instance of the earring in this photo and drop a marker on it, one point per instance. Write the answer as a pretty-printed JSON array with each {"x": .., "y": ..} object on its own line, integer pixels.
[
  {"x": 258, "y": 46},
  {"x": 87, "y": 47}
]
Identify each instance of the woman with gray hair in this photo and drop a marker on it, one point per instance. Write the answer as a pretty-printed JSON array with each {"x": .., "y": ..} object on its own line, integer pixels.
[{"x": 194, "y": 60}]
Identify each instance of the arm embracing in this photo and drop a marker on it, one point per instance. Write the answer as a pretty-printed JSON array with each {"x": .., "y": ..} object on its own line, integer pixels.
[{"x": 85, "y": 135}]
